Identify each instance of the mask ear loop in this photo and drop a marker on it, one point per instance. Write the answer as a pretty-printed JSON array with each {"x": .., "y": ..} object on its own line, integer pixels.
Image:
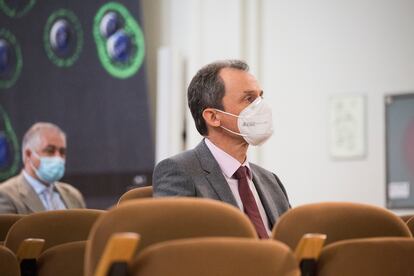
[
  {"x": 30, "y": 161},
  {"x": 231, "y": 131},
  {"x": 227, "y": 113}
]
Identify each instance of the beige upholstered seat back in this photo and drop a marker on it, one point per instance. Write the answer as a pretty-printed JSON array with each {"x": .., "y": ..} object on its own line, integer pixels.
[
  {"x": 163, "y": 219},
  {"x": 65, "y": 259},
  {"x": 142, "y": 192},
  {"x": 8, "y": 262},
  {"x": 55, "y": 227},
  {"x": 339, "y": 221},
  {"x": 6, "y": 221},
  {"x": 216, "y": 256},
  {"x": 368, "y": 257}
]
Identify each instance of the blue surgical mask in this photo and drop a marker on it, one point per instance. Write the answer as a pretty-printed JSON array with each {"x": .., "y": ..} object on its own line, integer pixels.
[{"x": 51, "y": 169}]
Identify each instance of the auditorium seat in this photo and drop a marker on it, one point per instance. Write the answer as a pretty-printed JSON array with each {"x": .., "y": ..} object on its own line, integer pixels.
[
  {"x": 368, "y": 257},
  {"x": 6, "y": 221},
  {"x": 8, "y": 262},
  {"x": 141, "y": 192},
  {"x": 339, "y": 221},
  {"x": 56, "y": 227},
  {"x": 410, "y": 224},
  {"x": 162, "y": 219},
  {"x": 216, "y": 256},
  {"x": 65, "y": 259}
]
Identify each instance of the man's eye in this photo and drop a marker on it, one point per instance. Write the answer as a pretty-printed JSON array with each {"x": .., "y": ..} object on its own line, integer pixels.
[
  {"x": 250, "y": 99},
  {"x": 50, "y": 150}
]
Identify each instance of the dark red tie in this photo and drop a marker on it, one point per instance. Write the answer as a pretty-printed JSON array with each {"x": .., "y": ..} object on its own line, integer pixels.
[{"x": 249, "y": 204}]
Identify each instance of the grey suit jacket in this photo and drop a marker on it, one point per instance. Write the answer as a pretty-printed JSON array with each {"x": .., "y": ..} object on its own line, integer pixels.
[
  {"x": 17, "y": 196},
  {"x": 196, "y": 173}
]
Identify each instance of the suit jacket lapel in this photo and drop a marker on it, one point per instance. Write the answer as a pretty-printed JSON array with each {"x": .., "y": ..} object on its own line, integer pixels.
[
  {"x": 270, "y": 208},
  {"x": 214, "y": 175},
  {"x": 29, "y": 196},
  {"x": 65, "y": 198}
]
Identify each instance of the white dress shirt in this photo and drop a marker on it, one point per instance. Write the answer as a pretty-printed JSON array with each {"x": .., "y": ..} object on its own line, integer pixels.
[
  {"x": 47, "y": 194},
  {"x": 229, "y": 165}
]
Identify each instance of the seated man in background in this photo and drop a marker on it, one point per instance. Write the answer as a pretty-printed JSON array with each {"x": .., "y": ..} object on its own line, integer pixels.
[
  {"x": 37, "y": 188},
  {"x": 229, "y": 111}
]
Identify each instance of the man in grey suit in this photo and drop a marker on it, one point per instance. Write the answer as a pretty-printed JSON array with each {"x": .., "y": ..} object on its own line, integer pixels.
[
  {"x": 37, "y": 188},
  {"x": 227, "y": 105}
]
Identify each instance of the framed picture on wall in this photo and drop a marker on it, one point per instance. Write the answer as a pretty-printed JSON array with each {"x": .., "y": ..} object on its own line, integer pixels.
[
  {"x": 399, "y": 132},
  {"x": 347, "y": 127}
]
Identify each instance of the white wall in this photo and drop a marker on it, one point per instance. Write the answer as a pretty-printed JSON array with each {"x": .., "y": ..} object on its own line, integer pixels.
[
  {"x": 315, "y": 49},
  {"x": 303, "y": 52}
]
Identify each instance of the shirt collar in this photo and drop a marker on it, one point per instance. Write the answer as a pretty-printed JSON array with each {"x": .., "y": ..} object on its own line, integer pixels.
[
  {"x": 38, "y": 186},
  {"x": 228, "y": 164}
]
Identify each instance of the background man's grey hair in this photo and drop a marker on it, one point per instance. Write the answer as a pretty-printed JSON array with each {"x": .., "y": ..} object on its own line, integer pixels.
[
  {"x": 33, "y": 137},
  {"x": 206, "y": 90}
]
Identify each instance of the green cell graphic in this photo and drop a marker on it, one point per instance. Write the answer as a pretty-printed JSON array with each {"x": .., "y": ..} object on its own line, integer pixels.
[
  {"x": 11, "y": 39},
  {"x": 118, "y": 69},
  {"x": 75, "y": 24},
  {"x": 11, "y": 136},
  {"x": 14, "y": 13}
]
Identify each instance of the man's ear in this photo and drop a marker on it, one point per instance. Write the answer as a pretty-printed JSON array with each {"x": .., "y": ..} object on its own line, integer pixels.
[
  {"x": 27, "y": 154},
  {"x": 211, "y": 117}
]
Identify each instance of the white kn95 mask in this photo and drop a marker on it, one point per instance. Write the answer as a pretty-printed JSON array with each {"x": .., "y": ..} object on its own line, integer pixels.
[{"x": 254, "y": 122}]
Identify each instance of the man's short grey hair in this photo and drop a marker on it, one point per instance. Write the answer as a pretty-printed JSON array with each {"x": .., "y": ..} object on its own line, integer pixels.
[
  {"x": 33, "y": 137},
  {"x": 206, "y": 90}
]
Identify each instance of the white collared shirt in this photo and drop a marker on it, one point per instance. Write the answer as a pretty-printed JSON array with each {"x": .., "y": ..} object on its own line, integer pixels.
[
  {"x": 229, "y": 165},
  {"x": 47, "y": 194}
]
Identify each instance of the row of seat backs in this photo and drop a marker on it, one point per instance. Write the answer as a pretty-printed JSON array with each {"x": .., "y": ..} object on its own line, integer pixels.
[
  {"x": 229, "y": 256},
  {"x": 7, "y": 220},
  {"x": 172, "y": 219},
  {"x": 147, "y": 191},
  {"x": 166, "y": 219},
  {"x": 194, "y": 256},
  {"x": 156, "y": 220},
  {"x": 232, "y": 256},
  {"x": 238, "y": 256},
  {"x": 55, "y": 227}
]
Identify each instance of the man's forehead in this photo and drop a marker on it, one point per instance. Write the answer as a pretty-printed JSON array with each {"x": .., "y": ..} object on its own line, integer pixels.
[
  {"x": 52, "y": 137},
  {"x": 243, "y": 80},
  {"x": 232, "y": 71}
]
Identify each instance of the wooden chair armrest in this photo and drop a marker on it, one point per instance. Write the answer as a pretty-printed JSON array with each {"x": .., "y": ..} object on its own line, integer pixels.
[
  {"x": 30, "y": 249},
  {"x": 310, "y": 246},
  {"x": 120, "y": 247}
]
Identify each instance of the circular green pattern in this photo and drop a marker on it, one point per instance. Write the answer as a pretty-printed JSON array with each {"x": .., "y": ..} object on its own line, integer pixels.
[
  {"x": 120, "y": 70},
  {"x": 11, "y": 137},
  {"x": 74, "y": 21},
  {"x": 11, "y": 39},
  {"x": 10, "y": 12}
]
